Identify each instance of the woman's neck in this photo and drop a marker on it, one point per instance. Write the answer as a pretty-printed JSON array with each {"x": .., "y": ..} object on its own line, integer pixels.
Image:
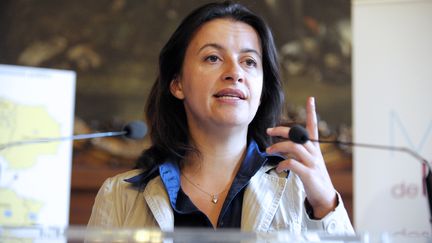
[{"x": 219, "y": 154}]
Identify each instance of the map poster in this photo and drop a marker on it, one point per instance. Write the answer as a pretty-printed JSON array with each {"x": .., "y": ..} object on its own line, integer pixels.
[{"x": 35, "y": 178}]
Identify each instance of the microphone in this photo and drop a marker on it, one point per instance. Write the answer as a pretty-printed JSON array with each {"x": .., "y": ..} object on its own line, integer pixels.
[
  {"x": 299, "y": 135},
  {"x": 132, "y": 130}
]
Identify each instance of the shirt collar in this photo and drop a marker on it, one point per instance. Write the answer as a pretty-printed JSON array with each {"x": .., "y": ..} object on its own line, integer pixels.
[
  {"x": 170, "y": 175},
  {"x": 170, "y": 171},
  {"x": 141, "y": 180}
]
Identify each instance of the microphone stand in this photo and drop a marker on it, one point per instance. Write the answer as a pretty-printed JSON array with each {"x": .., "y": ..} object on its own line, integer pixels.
[
  {"x": 74, "y": 137},
  {"x": 133, "y": 130},
  {"x": 427, "y": 170},
  {"x": 298, "y": 134}
]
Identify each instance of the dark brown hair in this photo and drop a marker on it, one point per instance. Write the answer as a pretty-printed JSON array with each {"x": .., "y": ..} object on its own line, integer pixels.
[{"x": 166, "y": 114}]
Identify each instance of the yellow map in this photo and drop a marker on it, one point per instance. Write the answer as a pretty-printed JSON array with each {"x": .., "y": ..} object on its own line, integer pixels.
[
  {"x": 18, "y": 123},
  {"x": 23, "y": 122},
  {"x": 16, "y": 210}
]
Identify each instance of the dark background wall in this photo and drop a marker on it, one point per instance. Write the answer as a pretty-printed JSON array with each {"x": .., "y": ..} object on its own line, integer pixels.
[{"x": 113, "y": 46}]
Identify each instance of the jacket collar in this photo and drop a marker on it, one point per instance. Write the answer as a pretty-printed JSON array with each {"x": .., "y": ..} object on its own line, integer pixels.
[
  {"x": 158, "y": 202},
  {"x": 260, "y": 203},
  {"x": 260, "y": 200}
]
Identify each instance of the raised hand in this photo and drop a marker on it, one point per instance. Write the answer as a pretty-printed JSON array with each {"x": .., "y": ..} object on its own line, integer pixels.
[{"x": 307, "y": 162}]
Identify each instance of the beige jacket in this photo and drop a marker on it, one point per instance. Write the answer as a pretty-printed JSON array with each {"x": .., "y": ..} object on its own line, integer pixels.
[{"x": 271, "y": 202}]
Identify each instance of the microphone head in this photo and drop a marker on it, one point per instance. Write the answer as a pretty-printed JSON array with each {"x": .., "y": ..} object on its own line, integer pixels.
[
  {"x": 298, "y": 134},
  {"x": 135, "y": 130}
]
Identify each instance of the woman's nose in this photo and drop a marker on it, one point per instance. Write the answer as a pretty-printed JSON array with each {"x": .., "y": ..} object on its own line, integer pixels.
[{"x": 233, "y": 72}]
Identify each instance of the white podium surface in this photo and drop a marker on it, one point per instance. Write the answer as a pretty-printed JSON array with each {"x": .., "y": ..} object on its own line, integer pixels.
[{"x": 81, "y": 234}]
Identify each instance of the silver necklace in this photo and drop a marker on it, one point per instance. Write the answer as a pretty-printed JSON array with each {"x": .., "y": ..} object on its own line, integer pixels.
[{"x": 214, "y": 197}]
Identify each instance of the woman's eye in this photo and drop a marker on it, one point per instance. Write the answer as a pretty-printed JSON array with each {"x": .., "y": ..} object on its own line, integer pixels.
[
  {"x": 251, "y": 63},
  {"x": 212, "y": 58}
]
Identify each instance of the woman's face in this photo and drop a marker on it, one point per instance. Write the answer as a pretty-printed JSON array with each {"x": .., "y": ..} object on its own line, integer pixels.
[{"x": 222, "y": 76}]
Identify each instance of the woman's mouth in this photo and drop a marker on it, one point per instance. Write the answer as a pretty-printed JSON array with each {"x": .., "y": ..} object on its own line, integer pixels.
[{"x": 230, "y": 94}]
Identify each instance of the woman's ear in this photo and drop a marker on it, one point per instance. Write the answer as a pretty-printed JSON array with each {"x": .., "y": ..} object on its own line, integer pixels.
[{"x": 176, "y": 88}]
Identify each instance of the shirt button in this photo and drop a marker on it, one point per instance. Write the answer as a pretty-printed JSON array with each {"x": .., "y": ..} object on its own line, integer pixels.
[{"x": 331, "y": 227}]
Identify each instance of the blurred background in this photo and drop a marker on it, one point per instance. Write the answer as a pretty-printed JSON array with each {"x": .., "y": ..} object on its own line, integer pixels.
[{"x": 113, "y": 45}]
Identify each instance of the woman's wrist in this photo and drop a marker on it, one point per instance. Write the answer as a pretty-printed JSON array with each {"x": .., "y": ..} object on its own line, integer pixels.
[{"x": 319, "y": 212}]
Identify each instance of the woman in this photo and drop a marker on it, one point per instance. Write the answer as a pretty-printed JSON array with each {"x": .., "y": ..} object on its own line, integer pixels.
[{"x": 212, "y": 113}]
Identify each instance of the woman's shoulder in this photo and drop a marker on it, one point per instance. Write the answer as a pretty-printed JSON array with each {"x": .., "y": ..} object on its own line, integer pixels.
[
  {"x": 124, "y": 176},
  {"x": 127, "y": 174},
  {"x": 132, "y": 179},
  {"x": 120, "y": 181}
]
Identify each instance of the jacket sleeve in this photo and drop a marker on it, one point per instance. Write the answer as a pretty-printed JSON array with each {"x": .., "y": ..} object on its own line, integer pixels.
[{"x": 335, "y": 222}]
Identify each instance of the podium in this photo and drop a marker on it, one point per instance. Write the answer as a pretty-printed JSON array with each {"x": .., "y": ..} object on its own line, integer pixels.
[{"x": 143, "y": 235}]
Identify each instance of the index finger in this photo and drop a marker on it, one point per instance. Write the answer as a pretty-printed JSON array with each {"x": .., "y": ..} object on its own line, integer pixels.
[{"x": 311, "y": 119}]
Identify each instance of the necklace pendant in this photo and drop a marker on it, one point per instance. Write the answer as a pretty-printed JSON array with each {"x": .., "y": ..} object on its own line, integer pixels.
[{"x": 214, "y": 199}]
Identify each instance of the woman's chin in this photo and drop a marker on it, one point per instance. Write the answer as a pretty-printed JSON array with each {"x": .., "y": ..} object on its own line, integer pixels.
[{"x": 233, "y": 122}]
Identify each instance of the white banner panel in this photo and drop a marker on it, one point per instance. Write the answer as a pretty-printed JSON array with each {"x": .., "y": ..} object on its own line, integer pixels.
[
  {"x": 35, "y": 103},
  {"x": 392, "y": 88}
]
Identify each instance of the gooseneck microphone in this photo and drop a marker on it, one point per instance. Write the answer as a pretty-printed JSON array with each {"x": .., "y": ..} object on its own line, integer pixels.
[
  {"x": 132, "y": 130},
  {"x": 298, "y": 134}
]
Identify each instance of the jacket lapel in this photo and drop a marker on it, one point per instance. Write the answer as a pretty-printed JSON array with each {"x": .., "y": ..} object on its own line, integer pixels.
[
  {"x": 261, "y": 200},
  {"x": 158, "y": 202}
]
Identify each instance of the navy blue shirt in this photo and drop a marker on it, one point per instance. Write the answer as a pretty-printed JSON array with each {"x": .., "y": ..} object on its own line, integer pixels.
[{"x": 186, "y": 214}]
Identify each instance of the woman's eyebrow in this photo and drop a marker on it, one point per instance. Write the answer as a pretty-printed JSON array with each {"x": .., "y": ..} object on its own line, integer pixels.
[
  {"x": 219, "y": 47},
  {"x": 214, "y": 45},
  {"x": 247, "y": 50}
]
